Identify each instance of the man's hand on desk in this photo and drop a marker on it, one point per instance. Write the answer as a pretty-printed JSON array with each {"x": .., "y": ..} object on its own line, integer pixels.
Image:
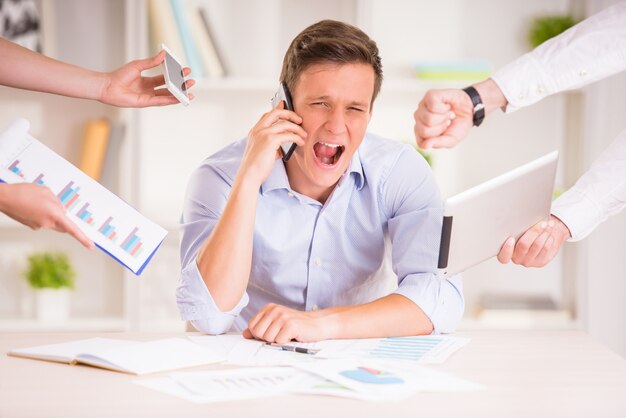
[
  {"x": 538, "y": 246},
  {"x": 279, "y": 324}
]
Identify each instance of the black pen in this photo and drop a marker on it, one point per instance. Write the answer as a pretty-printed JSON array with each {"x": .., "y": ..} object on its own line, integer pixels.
[{"x": 293, "y": 348}]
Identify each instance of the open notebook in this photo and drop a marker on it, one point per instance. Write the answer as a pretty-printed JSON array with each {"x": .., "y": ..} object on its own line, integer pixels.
[{"x": 124, "y": 356}]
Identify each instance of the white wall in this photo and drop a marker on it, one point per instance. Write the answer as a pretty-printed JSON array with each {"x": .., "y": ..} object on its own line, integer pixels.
[{"x": 602, "y": 289}]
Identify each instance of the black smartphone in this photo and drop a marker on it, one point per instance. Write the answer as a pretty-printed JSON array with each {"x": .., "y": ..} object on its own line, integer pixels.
[{"x": 283, "y": 95}]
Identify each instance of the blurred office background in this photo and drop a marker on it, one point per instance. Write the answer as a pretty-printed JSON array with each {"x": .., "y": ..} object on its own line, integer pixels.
[{"x": 155, "y": 150}]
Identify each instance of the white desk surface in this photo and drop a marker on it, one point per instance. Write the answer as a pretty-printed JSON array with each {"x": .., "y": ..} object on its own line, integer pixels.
[{"x": 527, "y": 374}]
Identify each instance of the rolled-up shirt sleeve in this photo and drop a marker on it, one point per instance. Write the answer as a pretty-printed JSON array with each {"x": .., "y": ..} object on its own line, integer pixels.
[
  {"x": 412, "y": 199},
  {"x": 207, "y": 194}
]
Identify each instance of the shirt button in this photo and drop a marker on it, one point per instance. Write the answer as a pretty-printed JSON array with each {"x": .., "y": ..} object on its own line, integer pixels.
[
  {"x": 317, "y": 261},
  {"x": 290, "y": 194},
  {"x": 540, "y": 90},
  {"x": 314, "y": 308},
  {"x": 582, "y": 73},
  {"x": 521, "y": 97}
]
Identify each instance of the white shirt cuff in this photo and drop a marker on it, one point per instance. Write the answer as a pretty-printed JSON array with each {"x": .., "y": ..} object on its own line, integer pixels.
[{"x": 578, "y": 212}]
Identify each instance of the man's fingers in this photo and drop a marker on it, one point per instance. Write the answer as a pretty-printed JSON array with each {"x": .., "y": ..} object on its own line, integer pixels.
[
  {"x": 247, "y": 334},
  {"x": 524, "y": 243},
  {"x": 437, "y": 101},
  {"x": 506, "y": 252},
  {"x": 443, "y": 141},
  {"x": 433, "y": 119},
  {"x": 537, "y": 246},
  {"x": 277, "y": 114}
]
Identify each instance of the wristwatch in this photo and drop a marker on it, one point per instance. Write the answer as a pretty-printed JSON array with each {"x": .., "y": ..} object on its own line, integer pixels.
[{"x": 477, "y": 102}]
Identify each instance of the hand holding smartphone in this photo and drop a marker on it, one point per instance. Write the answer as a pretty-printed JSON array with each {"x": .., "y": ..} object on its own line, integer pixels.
[
  {"x": 174, "y": 79},
  {"x": 283, "y": 95}
]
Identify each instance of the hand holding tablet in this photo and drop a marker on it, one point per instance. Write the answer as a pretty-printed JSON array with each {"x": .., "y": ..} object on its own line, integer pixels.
[{"x": 477, "y": 222}]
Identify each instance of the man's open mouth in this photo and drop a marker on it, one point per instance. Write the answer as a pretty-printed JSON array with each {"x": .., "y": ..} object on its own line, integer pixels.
[{"x": 328, "y": 154}]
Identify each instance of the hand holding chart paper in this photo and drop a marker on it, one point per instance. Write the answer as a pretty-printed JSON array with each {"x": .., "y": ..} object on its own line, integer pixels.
[{"x": 115, "y": 227}]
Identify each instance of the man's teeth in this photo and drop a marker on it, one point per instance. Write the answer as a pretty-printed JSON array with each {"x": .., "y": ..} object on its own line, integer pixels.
[{"x": 330, "y": 145}]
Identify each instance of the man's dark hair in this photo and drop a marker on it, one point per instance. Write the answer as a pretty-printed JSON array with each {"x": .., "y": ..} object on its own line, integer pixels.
[{"x": 330, "y": 41}]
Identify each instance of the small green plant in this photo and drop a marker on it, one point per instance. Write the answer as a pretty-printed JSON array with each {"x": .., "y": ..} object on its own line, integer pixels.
[
  {"x": 546, "y": 27},
  {"x": 50, "y": 271}
]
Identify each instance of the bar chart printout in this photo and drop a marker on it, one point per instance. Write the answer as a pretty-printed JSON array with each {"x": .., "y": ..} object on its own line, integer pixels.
[
  {"x": 108, "y": 230},
  {"x": 132, "y": 243},
  {"x": 116, "y": 228},
  {"x": 69, "y": 196},
  {"x": 427, "y": 349},
  {"x": 84, "y": 215},
  {"x": 14, "y": 167}
]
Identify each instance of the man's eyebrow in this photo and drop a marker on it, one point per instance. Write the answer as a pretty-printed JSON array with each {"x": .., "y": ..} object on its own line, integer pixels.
[{"x": 353, "y": 103}]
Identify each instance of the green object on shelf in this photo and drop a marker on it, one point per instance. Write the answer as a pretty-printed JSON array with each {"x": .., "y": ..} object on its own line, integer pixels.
[
  {"x": 453, "y": 69},
  {"x": 50, "y": 271},
  {"x": 547, "y": 27}
]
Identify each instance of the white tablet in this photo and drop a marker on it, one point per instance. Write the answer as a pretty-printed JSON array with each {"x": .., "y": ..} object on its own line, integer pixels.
[
  {"x": 174, "y": 79},
  {"x": 478, "y": 221}
]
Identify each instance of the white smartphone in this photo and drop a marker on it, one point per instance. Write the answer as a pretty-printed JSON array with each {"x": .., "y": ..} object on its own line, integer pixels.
[{"x": 174, "y": 79}]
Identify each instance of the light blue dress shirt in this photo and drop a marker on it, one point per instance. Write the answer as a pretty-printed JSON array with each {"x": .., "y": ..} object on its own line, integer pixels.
[{"x": 385, "y": 212}]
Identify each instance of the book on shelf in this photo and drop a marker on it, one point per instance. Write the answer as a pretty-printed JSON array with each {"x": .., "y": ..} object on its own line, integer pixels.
[
  {"x": 94, "y": 147},
  {"x": 133, "y": 357},
  {"x": 189, "y": 45},
  {"x": 453, "y": 69},
  {"x": 110, "y": 177},
  {"x": 209, "y": 52},
  {"x": 163, "y": 27}
]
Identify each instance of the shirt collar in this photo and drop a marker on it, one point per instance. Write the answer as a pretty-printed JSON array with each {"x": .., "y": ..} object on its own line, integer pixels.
[{"x": 278, "y": 176}]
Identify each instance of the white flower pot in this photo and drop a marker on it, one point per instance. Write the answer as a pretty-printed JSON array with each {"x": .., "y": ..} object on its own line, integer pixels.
[{"x": 52, "y": 305}]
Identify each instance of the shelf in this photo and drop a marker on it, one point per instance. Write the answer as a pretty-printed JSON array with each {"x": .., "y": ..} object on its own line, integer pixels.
[
  {"x": 72, "y": 324},
  {"x": 268, "y": 85},
  {"x": 235, "y": 84},
  {"x": 8, "y": 223}
]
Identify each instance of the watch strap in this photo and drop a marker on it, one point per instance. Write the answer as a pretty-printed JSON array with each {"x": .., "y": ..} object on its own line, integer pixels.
[{"x": 477, "y": 104}]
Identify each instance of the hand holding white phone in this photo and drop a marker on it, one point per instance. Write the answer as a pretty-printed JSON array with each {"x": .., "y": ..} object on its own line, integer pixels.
[{"x": 174, "y": 79}]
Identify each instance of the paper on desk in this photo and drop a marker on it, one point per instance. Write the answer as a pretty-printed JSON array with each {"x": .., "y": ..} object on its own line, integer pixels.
[
  {"x": 250, "y": 383},
  {"x": 218, "y": 344},
  {"x": 241, "y": 351},
  {"x": 428, "y": 349},
  {"x": 225, "y": 385},
  {"x": 383, "y": 380}
]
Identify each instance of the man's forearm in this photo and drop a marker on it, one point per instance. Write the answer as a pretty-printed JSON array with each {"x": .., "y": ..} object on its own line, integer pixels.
[
  {"x": 392, "y": 315},
  {"x": 224, "y": 261}
]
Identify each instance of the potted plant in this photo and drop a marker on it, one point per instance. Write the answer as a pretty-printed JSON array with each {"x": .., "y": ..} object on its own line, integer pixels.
[
  {"x": 547, "y": 27},
  {"x": 52, "y": 277}
]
